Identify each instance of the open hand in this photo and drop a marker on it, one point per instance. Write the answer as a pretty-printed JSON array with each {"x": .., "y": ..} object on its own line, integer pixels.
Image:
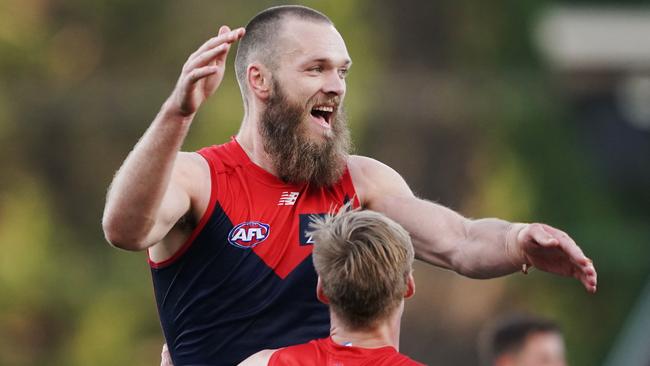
[
  {"x": 552, "y": 250},
  {"x": 203, "y": 72}
]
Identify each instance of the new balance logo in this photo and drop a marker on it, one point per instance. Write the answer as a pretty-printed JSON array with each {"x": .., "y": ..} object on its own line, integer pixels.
[{"x": 288, "y": 198}]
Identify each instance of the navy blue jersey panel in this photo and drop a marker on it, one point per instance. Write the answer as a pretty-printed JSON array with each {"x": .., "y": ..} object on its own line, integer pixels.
[{"x": 218, "y": 304}]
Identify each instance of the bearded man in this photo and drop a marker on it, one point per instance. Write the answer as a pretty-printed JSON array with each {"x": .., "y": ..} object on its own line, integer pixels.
[{"x": 225, "y": 226}]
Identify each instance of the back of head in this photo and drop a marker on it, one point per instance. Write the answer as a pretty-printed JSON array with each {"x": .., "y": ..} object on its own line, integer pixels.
[
  {"x": 364, "y": 260},
  {"x": 509, "y": 334},
  {"x": 262, "y": 32}
]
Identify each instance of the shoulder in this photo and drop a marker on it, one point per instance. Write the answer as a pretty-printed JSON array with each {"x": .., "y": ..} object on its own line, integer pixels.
[
  {"x": 191, "y": 163},
  {"x": 368, "y": 170},
  {"x": 191, "y": 169},
  {"x": 365, "y": 165},
  {"x": 398, "y": 359},
  {"x": 298, "y": 355},
  {"x": 407, "y": 361},
  {"x": 223, "y": 156},
  {"x": 305, "y": 354},
  {"x": 373, "y": 179},
  {"x": 260, "y": 358}
]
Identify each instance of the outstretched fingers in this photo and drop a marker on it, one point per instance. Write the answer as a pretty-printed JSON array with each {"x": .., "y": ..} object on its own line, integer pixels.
[
  {"x": 199, "y": 73},
  {"x": 588, "y": 276},
  {"x": 569, "y": 245},
  {"x": 208, "y": 56},
  {"x": 225, "y": 36},
  {"x": 584, "y": 268},
  {"x": 550, "y": 237}
]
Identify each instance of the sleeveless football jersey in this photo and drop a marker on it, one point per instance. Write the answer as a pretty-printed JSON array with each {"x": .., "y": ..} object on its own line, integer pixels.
[
  {"x": 325, "y": 352},
  {"x": 244, "y": 280}
]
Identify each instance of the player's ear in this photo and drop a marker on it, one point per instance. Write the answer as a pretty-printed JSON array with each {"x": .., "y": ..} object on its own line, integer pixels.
[
  {"x": 320, "y": 294},
  {"x": 259, "y": 80},
  {"x": 410, "y": 286}
]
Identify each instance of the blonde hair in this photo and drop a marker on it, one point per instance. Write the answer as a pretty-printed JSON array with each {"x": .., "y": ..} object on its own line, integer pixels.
[{"x": 364, "y": 260}]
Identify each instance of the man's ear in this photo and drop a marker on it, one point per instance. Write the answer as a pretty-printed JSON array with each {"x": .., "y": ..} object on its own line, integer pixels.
[
  {"x": 259, "y": 80},
  {"x": 320, "y": 294},
  {"x": 410, "y": 286}
]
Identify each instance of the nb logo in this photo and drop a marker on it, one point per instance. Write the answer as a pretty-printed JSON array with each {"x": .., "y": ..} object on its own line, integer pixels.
[
  {"x": 248, "y": 235},
  {"x": 288, "y": 198}
]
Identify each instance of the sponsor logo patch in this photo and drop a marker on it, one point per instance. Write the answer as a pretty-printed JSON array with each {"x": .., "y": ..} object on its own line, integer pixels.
[
  {"x": 305, "y": 220},
  {"x": 248, "y": 235}
]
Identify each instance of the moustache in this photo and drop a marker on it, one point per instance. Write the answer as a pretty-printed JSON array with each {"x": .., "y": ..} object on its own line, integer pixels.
[{"x": 317, "y": 100}]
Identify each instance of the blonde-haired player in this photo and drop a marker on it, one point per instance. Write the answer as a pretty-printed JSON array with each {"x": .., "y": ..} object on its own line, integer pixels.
[{"x": 364, "y": 265}]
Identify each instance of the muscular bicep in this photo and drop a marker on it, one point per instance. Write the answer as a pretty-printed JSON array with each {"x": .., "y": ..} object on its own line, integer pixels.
[
  {"x": 178, "y": 208},
  {"x": 437, "y": 232},
  {"x": 175, "y": 205}
]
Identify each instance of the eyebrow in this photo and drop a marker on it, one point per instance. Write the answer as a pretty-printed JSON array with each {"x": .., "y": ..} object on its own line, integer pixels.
[{"x": 346, "y": 63}]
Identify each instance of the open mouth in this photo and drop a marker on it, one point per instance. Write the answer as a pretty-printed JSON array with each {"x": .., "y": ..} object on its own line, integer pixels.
[{"x": 323, "y": 114}]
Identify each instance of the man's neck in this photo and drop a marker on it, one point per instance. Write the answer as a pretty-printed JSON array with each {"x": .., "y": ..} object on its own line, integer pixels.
[
  {"x": 251, "y": 141},
  {"x": 384, "y": 333}
]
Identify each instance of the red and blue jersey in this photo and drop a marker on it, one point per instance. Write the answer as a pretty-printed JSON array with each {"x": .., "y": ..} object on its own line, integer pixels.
[
  {"x": 244, "y": 280},
  {"x": 325, "y": 352}
]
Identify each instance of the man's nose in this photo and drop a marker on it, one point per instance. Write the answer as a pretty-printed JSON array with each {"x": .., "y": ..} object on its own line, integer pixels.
[{"x": 334, "y": 84}]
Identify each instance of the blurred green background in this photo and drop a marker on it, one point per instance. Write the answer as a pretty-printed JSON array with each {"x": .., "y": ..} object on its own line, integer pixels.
[{"x": 455, "y": 95}]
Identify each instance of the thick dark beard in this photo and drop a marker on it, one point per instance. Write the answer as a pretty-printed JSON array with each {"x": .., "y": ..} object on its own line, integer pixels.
[{"x": 296, "y": 159}]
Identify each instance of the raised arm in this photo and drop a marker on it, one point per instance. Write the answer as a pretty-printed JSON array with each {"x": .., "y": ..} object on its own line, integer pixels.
[
  {"x": 482, "y": 248},
  {"x": 156, "y": 185}
]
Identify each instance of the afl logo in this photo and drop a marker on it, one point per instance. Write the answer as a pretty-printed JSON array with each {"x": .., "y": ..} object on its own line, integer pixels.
[{"x": 248, "y": 235}]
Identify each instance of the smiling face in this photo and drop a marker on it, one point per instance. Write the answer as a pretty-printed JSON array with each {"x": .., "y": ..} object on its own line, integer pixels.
[
  {"x": 303, "y": 124},
  {"x": 311, "y": 69}
]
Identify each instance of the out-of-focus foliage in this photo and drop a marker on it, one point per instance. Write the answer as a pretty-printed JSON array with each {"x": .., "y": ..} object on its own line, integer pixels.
[{"x": 452, "y": 94}]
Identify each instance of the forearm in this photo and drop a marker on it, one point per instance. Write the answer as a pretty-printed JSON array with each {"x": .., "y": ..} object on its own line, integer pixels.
[
  {"x": 482, "y": 248},
  {"x": 138, "y": 188}
]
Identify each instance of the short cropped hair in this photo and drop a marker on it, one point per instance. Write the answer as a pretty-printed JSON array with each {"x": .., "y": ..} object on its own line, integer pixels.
[
  {"x": 509, "y": 334},
  {"x": 364, "y": 260},
  {"x": 261, "y": 34}
]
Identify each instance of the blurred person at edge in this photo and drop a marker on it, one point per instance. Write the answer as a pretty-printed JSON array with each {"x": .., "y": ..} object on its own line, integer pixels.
[
  {"x": 224, "y": 227},
  {"x": 364, "y": 263},
  {"x": 522, "y": 340}
]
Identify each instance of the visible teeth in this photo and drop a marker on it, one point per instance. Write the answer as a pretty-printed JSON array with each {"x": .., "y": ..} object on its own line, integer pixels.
[{"x": 324, "y": 109}]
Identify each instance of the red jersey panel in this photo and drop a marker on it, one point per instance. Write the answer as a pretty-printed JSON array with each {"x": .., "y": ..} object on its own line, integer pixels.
[
  {"x": 267, "y": 212},
  {"x": 325, "y": 352}
]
